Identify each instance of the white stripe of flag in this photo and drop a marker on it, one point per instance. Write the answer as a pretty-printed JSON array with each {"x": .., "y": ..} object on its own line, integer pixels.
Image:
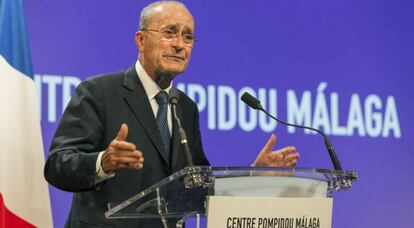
[{"x": 24, "y": 195}]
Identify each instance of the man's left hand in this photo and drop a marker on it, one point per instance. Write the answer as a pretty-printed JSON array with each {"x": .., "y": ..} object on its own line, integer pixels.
[{"x": 285, "y": 157}]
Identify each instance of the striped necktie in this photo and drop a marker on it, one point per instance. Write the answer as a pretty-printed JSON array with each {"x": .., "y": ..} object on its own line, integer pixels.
[{"x": 162, "y": 120}]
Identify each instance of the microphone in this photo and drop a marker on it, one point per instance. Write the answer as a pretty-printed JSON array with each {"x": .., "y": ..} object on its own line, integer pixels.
[
  {"x": 255, "y": 104},
  {"x": 174, "y": 98}
]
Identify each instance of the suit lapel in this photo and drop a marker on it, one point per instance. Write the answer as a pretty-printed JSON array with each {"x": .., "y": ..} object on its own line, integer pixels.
[{"x": 137, "y": 100}]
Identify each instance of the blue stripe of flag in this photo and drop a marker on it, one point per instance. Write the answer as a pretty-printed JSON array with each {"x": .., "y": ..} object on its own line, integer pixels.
[{"x": 14, "y": 43}]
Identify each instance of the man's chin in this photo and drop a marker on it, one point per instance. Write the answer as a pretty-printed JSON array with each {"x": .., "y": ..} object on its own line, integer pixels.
[
  {"x": 166, "y": 75},
  {"x": 174, "y": 70},
  {"x": 177, "y": 67}
]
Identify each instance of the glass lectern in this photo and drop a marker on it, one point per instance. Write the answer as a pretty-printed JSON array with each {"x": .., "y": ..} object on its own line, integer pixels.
[{"x": 183, "y": 195}]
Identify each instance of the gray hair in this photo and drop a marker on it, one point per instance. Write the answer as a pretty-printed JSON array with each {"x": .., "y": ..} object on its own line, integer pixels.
[{"x": 147, "y": 12}]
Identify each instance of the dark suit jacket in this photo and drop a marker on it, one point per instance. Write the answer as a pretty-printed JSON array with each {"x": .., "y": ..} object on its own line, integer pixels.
[{"x": 90, "y": 122}]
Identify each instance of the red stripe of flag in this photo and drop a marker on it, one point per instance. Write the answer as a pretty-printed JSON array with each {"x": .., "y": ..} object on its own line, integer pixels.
[{"x": 9, "y": 220}]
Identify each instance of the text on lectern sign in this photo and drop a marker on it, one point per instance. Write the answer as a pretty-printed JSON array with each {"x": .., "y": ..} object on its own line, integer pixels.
[{"x": 269, "y": 212}]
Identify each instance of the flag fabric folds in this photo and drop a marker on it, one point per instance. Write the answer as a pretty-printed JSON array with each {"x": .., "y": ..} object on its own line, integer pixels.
[{"x": 24, "y": 195}]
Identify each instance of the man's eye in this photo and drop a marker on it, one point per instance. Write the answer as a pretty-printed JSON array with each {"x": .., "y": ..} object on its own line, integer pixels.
[
  {"x": 188, "y": 37},
  {"x": 168, "y": 32}
]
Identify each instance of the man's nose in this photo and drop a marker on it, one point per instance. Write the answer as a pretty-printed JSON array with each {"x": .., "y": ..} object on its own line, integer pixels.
[{"x": 178, "y": 42}]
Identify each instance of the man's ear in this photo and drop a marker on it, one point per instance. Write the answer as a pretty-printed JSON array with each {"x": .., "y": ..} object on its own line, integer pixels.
[{"x": 139, "y": 40}]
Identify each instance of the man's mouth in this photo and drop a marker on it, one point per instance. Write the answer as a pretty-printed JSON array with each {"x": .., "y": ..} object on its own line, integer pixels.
[{"x": 175, "y": 57}]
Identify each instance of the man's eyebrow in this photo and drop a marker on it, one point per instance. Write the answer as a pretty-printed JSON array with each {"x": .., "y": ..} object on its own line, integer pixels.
[
  {"x": 171, "y": 26},
  {"x": 176, "y": 27},
  {"x": 187, "y": 29}
]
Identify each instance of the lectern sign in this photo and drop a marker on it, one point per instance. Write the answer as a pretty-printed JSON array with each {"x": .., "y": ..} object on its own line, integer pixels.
[{"x": 269, "y": 212}]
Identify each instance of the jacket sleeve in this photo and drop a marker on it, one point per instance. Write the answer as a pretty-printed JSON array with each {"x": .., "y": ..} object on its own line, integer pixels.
[{"x": 71, "y": 162}]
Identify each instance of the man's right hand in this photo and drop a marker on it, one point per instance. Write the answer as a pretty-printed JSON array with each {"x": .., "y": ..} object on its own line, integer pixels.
[{"x": 121, "y": 154}]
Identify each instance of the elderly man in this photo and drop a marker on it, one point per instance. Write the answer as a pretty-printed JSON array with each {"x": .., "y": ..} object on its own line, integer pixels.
[{"x": 117, "y": 136}]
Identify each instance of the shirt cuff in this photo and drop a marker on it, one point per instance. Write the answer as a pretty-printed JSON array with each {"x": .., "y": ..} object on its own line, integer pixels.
[{"x": 100, "y": 173}]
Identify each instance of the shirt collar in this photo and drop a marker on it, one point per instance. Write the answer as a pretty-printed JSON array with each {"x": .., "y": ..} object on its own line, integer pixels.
[{"x": 150, "y": 86}]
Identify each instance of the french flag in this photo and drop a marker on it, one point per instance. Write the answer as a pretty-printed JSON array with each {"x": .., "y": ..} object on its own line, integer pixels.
[{"x": 24, "y": 194}]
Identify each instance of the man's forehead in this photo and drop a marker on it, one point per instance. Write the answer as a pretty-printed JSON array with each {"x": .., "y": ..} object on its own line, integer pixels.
[{"x": 172, "y": 15}]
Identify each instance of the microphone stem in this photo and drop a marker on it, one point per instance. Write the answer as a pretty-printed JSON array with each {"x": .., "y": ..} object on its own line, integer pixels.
[
  {"x": 183, "y": 137},
  {"x": 327, "y": 142}
]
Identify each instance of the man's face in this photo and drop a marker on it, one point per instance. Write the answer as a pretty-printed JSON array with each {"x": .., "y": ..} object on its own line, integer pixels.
[{"x": 160, "y": 53}]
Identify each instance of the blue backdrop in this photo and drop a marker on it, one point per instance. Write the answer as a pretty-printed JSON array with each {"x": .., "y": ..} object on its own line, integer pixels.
[{"x": 345, "y": 67}]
